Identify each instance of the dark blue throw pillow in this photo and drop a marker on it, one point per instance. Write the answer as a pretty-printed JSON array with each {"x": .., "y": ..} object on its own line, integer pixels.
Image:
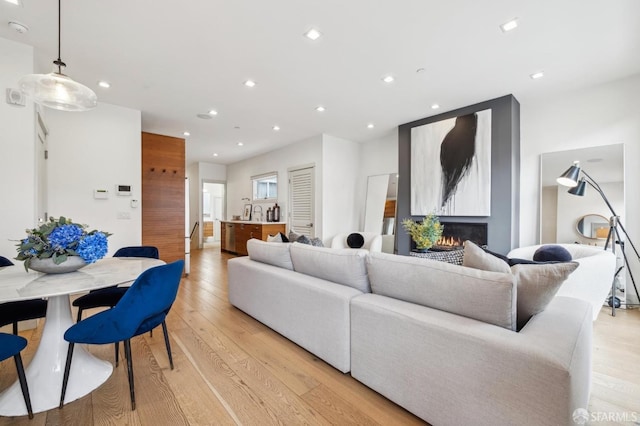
[
  {"x": 551, "y": 253},
  {"x": 355, "y": 240}
]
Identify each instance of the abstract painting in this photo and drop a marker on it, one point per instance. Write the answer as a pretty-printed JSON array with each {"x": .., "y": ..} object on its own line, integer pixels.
[{"x": 451, "y": 166}]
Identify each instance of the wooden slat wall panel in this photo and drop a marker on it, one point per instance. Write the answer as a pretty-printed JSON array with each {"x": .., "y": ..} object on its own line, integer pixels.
[
  {"x": 390, "y": 208},
  {"x": 163, "y": 174}
]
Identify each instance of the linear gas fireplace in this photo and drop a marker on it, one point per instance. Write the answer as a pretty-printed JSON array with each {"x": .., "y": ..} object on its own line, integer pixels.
[{"x": 456, "y": 233}]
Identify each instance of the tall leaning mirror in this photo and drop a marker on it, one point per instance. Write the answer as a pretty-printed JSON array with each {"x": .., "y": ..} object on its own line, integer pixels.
[
  {"x": 380, "y": 208},
  {"x": 566, "y": 218}
]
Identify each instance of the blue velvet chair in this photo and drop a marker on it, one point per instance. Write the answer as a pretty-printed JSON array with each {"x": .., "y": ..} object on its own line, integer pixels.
[
  {"x": 143, "y": 307},
  {"x": 13, "y": 312},
  {"x": 11, "y": 346},
  {"x": 109, "y": 297}
]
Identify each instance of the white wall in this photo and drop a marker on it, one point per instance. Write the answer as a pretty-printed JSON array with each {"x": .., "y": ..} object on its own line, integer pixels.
[
  {"x": 377, "y": 157},
  {"x": 239, "y": 174},
  {"x": 17, "y": 145},
  {"x": 340, "y": 173},
  {"x": 97, "y": 149}
]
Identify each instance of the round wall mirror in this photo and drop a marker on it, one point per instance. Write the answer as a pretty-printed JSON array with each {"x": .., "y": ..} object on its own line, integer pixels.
[{"x": 593, "y": 226}]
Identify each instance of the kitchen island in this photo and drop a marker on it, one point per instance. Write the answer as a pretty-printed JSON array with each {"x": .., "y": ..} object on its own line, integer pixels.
[{"x": 236, "y": 233}]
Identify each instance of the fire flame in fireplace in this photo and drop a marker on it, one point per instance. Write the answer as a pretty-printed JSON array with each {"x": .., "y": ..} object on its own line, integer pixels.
[{"x": 449, "y": 242}]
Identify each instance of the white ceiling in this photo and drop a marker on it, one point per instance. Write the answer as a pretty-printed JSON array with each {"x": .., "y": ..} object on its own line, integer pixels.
[{"x": 175, "y": 59}]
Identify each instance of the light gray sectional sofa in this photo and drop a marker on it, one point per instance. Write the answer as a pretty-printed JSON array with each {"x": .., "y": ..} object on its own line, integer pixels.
[{"x": 435, "y": 338}]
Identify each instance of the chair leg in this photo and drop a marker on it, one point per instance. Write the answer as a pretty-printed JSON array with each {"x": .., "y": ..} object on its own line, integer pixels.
[
  {"x": 15, "y": 328},
  {"x": 166, "y": 342},
  {"x": 23, "y": 384},
  {"x": 127, "y": 352},
  {"x": 65, "y": 378},
  {"x": 117, "y": 344},
  {"x": 79, "y": 318}
]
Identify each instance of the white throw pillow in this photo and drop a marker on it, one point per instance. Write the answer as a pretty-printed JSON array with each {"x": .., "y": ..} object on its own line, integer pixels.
[{"x": 274, "y": 238}]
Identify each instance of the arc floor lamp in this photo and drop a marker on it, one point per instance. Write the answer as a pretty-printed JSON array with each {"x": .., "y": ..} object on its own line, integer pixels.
[{"x": 577, "y": 184}]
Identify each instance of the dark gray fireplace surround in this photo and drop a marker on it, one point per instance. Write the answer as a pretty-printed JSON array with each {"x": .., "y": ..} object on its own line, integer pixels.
[{"x": 503, "y": 224}]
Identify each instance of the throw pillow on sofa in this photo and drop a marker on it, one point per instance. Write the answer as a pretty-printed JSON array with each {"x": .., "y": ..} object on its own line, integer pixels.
[
  {"x": 552, "y": 253},
  {"x": 274, "y": 238},
  {"x": 537, "y": 282},
  {"x": 355, "y": 240}
]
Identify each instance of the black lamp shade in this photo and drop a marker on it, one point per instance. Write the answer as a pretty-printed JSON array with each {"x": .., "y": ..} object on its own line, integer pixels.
[
  {"x": 570, "y": 177},
  {"x": 579, "y": 189}
]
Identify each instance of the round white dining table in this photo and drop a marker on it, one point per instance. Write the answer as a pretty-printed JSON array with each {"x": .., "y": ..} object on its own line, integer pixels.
[{"x": 44, "y": 372}]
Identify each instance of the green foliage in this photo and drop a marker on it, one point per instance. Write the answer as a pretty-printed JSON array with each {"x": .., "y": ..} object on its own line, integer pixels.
[{"x": 426, "y": 233}]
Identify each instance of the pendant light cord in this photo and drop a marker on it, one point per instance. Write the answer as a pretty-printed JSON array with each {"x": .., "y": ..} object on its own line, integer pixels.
[{"x": 58, "y": 61}]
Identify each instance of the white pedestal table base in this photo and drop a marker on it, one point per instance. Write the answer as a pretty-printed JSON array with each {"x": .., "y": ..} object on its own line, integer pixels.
[{"x": 46, "y": 369}]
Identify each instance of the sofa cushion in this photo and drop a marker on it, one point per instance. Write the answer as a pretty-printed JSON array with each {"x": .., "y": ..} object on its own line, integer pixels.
[
  {"x": 275, "y": 238},
  {"x": 551, "y": 253},
  {"x": 537, "y": 282},
  {"x": 355, "y": 240},
  {"x": 342, "y": 266},
  {"x": 482, "y": 295},
  {"x": 478, "y": 258},
  {"x": 276, "y": 254}
]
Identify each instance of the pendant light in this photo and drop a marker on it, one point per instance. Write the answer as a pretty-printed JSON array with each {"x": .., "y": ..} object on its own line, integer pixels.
[{"x": 56, "y": 90}]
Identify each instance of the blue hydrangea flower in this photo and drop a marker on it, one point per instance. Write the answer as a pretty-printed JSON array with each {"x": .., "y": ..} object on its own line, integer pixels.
[
  {"x": 93, "y": 247},
  {"x": 65, "y": 236}
]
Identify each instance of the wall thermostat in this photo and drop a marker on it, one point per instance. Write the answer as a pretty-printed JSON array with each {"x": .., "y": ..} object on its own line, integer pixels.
[
  {"x": 100, "y": 194},
  {"x": 124, "y": 190}
]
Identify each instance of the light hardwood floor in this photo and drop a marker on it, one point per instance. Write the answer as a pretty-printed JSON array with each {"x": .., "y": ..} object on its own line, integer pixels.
[{"x": 231, "y": 369}]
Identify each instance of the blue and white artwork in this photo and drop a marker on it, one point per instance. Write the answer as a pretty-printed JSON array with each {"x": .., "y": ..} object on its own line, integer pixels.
[{"x": 451, "y": 166}]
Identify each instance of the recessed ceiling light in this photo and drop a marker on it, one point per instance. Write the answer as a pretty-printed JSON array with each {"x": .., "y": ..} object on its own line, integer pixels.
[
  {"x": 16, "y": 2},
  {"x": 370, "y": 126},
  {"x": 18, "y": 27},
  {"x": 388, "y": 79},
  {"x": 240, "y": 144},
  {"x": 313, "y": 34},
  {"x": 537, "y": 75},
  {"x": 509, "y": 25},
  {"x": 250, "y": 83},
  {"x": 215, "y": 154},
  {"x": 320, "y": 108},
  {"x": 104, "y": 84},
  {"x": 276, "y": 127},
  {"x": 213, "y": 112},
  {"x": 186, "y": 134},
  {"x": 435, "y": 106},
  {"x": 204, "y": 116},
  {"x": 420, "y": 70}
]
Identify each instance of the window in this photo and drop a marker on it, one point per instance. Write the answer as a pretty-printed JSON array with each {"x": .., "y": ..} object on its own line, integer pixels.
[{"x": 265, "y": 187}]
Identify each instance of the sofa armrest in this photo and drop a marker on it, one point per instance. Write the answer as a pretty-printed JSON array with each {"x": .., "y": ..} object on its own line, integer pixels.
[{"x": 450, "y": 370}]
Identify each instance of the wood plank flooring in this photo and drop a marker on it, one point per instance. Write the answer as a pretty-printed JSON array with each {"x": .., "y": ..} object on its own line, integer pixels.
[{"x": 232, "y": 370}]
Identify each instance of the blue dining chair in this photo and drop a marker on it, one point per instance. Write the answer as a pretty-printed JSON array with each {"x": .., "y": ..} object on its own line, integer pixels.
[
  {"x": 110, "y": 296},
  {"x": 11, "y": 346},
  {"x": 23, "y": 310},
  {"x": 143, "y": 307}
]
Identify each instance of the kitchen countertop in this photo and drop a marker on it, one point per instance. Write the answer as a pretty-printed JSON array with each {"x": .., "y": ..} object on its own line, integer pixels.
[{"x": 255, "y": 222}]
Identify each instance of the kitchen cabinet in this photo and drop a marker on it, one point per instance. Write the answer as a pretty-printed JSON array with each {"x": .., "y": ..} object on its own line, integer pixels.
[{"x": 235, "y": 234}]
